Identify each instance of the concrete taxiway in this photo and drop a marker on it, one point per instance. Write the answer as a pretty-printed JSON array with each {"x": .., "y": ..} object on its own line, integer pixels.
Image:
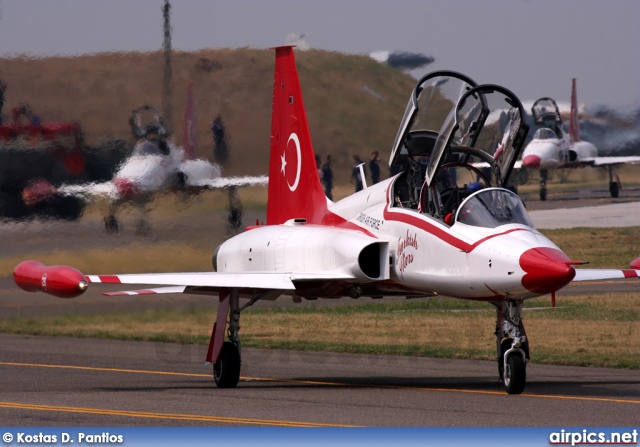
[{"x": 84, "y": 382}]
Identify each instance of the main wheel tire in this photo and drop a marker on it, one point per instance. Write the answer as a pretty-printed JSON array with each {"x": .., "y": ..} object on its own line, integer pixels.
[
  {"x": 111, "y": 224},
  {"x": 543, "y": 194},
  {"x": 226, "y": 371},
  {"x": 614, "y": 189},
  {"x": 515, "y": 374}
]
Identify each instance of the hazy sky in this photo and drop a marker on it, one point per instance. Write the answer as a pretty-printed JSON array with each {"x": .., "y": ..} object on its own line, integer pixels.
[{"x": 533, "y": 47}]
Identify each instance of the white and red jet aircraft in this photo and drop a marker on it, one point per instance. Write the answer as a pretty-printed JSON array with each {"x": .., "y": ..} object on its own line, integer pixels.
[
  {"x": 155, "y": 166},
  {"x": 551, "y": 147},
  {"x": 421, "y": 233}
]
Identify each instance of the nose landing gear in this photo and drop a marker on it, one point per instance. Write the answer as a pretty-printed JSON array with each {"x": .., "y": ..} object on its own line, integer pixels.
[{"x": 512, "y": 346}]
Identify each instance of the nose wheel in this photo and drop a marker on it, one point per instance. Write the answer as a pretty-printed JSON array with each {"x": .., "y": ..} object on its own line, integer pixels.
[
  {"x": 515, "y": 374},
  {"x": 513, "y": 346}
]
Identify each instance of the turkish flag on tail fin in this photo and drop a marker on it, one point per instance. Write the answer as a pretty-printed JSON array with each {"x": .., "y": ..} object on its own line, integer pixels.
[{"x": 295, "y": 191}]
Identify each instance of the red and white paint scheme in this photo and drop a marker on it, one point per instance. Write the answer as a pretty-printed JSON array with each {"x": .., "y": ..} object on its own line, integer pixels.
[
  {"x": 439, "y": 227},
  {"x": 551, "y": 147}
]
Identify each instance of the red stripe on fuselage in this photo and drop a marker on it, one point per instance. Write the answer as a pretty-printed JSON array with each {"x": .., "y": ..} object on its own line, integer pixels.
[{"x": 440, "y": 233}]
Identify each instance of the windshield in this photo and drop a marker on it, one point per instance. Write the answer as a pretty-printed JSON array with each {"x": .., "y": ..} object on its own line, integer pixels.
[
  {"x": 544, "y": 133},
  {"x": 493, "y": 207}
]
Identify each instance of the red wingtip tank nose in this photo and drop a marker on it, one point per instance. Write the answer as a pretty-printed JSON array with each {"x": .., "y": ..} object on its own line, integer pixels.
[
  {"x": 635, "y": 264},
  {"x": 58, "y": 280},
  {"x": 546, "y": 270}
]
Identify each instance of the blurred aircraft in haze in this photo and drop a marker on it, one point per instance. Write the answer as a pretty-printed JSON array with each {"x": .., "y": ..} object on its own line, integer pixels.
[
  {"x": 402, "y": 60},
  {"x": 551, "y": 147},
  {"x": 155, "y": 166}
]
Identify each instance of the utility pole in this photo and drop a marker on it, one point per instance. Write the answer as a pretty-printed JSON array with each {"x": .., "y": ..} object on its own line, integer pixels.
[{"x": 167, "y": 109}]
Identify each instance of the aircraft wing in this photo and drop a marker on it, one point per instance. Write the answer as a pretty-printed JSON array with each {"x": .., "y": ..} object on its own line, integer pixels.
[
  {"x": 603, "y": 161},
  {"x": 228, "y": 182},
  {"x": 42, "y": 190},
  {"x": 67, "y": 282},
  {"x": 85, "y": 191},
  {"x": 583, "y": 275}
]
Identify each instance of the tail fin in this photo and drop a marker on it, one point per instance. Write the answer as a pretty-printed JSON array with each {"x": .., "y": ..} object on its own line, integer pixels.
[
  {"x": 189, "y": 141},
  {"x": 574, "y": 126},
  {"x": 294, "y": 185}
]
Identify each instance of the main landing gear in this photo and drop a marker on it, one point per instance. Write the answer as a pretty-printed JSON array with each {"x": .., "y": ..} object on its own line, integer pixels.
[
  {"x": 543, "y": 184},
  {"x": 226, "y": 369},
  {"x": 512, "y": 346}
]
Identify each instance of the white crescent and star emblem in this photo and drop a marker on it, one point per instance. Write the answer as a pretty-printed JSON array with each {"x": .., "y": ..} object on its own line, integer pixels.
[{"x": 296, "y": 140}]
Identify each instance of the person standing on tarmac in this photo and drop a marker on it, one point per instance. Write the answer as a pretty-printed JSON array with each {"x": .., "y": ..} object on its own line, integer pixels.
[
  {"x": 327, "y": 178},
  {"x": 374, "y": 166}
]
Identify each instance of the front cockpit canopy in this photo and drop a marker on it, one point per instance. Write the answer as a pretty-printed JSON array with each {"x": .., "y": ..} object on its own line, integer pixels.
[
  {"x": 545, "y": 112},
  {"x": 432, "y": 100}
]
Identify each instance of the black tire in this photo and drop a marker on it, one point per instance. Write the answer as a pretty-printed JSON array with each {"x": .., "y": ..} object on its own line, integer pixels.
[
  {"x": 111, "y": 224},
  {"x": 543, "y": 194},
  {"x": 515, "y": 374},
  {"x": 226, "y": 371},
  {"x": 614, "y": 189}
]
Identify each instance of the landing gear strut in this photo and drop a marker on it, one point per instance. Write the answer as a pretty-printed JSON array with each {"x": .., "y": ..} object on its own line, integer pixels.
[
  {"x": 614, "y": 182},
  {"x": 226, "y": 370},
  {"x": 512, "y": 346},
  {"x": 543, "y": 184}
]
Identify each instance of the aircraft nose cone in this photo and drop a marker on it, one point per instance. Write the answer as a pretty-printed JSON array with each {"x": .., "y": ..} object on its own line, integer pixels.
[
  {"x": 531, "y": 161},
  {"x": 546, "y": 270},
  {"x": 125, "y": 186}
]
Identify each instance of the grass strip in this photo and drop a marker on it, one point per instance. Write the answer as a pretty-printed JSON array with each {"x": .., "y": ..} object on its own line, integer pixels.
[{"x": 584, "y": 331}]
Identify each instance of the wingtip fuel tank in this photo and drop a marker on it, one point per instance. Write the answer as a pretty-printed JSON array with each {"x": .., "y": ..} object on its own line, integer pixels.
[{"x": 59, "y": 280}]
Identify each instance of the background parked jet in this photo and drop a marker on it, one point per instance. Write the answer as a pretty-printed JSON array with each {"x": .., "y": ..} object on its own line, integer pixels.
[
  {"x": 551, "y": 147},
  {"x": 155, "y": 166}
]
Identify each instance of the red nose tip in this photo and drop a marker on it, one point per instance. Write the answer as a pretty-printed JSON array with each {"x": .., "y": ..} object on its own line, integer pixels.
[
  {"x": 546, "y": 270},
  {"x": 125, "y": 186},
  {"x": 531, "y": 161}
]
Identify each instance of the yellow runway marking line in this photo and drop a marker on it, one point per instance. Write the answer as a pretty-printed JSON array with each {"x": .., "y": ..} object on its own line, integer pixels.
[
  {"x": 148, "y": 415},
  {"x": 326, "y": 383}
]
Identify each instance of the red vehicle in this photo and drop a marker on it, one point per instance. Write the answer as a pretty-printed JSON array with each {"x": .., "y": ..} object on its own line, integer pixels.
[{"x": 54, "y": 152}]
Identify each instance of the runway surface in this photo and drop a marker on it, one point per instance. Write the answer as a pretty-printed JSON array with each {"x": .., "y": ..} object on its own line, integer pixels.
[
  {"x": 76, "y": 382},
  {"x": 85, "y": 382}
]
